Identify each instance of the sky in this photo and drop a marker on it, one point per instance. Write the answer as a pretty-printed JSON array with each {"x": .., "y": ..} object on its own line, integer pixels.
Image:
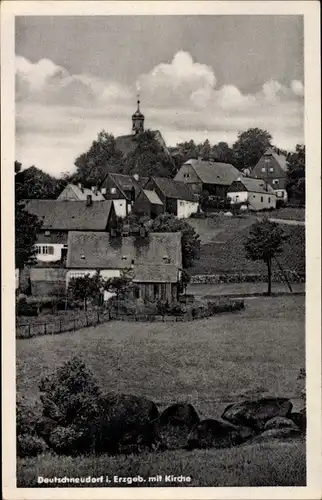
[{"x": 198, "y": 77}]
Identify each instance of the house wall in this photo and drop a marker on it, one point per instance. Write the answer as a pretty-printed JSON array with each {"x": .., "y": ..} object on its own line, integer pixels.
[
  {"x": 55, "y": 250},
  {"x": 48, "y": 281},
  {"x": 186, "y": 208},
  {"x": 268, "y": 169},
  {"x": 258, "y": 201},
  {"x": 120, "y": 207},
  {"x": 187, "y": 174},
  {"x": 158, "y": 291},
  {"x": 142, "y": 205}
]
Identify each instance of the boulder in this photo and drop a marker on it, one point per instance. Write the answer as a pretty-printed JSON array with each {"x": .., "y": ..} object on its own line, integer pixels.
[
  {"x": 255, "y": 413},
  {"x": 285, "y": 434},
  {"x": 175, "y": 425},
  {"x": 280, "y": 423},
  {"x": 212, "y": 433},
  {"x": 299, "y": 418}
]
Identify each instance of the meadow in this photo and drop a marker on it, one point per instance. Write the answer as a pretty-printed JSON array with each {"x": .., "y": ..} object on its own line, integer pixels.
[{"x": 208, "y": 363}]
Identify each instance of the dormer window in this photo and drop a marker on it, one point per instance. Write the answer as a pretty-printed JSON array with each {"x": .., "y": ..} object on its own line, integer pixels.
[
  {"x": 47, "y": 233},
  {"x": 113, "y": 190}
]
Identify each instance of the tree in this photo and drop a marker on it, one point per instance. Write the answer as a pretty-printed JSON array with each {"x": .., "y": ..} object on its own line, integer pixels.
[
  {"x": 296, "y": 173},
  {"x": 33, "y": 183},
  {"x": 205, "y": 150},
  {"x": 264, "y": 243},
  {"x": 250, "y": 147},
  {"x": 26, "y": 228},
  {"x": 118, "y": 284},
  {"x": 186, "y": 151},
  {"x": 184, "y": 281},
  {"x": 84, "y": 287},
  {"x": 221, "y": 152},
  {"x": 190, "y": 241},
  {"x": 148, "y": 158},
  {"x": 101, "y": 158}
]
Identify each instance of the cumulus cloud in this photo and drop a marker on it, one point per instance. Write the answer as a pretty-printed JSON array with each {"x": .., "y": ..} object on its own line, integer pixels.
[{"x": 58, "y": 114}]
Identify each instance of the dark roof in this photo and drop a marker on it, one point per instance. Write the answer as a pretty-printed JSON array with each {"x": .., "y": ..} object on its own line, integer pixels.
[
  {"x": 174, "y": 189},
  {"x": 125, "y": 182},
  {"x": 102, "y": 251},
  {"x": 213, "y": 172},
  {"x": 52, "y": 237},
  {"x": 155, "y": 274},
  {"x": 255, "y": 185},
  {"x": 152, "y": 197},
  {"x": 142, "y": 181},
  {"x": 280, "y": 158},
  {"x": 69, "y": 216}
]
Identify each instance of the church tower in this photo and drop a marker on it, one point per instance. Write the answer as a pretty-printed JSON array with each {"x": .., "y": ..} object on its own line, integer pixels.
[{"x": 137, "y": 120}]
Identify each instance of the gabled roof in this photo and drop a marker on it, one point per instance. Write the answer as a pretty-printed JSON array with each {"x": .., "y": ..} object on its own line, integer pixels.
[
  {"x": 255, "y": 185},
  {"x": 152, "y": 197},
  {"x": 82, "y": 193},
  {"x": 69, "y": 216},
  {"x": 124, "y": 183},
  {"x": 95, "y": 250},
  {"x": 174, "y": 189},
  {"x": 155, "y": 274},
  {"x": 280, "y": 158},
  {"x": 213, "y": 172}
]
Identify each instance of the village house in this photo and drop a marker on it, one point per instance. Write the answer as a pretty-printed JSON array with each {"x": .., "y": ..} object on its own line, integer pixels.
[
  {"x": 177, "y": 197},
  {"x": 255, "y": 193},
  {"x": 122, "y": 189},
  {"x": 148, "y": 203},
  {"x": 154, "y": 261},
  {"x": 77, "y": 192},
  {"x": 272, "y": 168},
  {"x": 60, "y": 217},
  {"x": 210, "y": 176}
]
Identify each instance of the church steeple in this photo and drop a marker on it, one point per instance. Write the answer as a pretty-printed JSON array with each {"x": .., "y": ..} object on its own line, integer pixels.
[{"x": 137, "y": 119}]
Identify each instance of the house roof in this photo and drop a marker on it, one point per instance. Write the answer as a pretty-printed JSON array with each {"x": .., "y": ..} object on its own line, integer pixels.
[
  {"x": 95, "y": 250},
  {"x": 69, "y": 216},
  {"x": 155, "y": 274},
  {"x": 142, "y": 181},
  {"x": 213, "y": 172},
  {"x": 280, "y": 158},
  {"x": 82, "y": 193},
  {"x": 256, "y": 185},
  {"x": 51, "y": 238},
  {"x": 174, "y": 189},
  {"x": 152, "y": 197},
  {"x": 124, "y": 183}
]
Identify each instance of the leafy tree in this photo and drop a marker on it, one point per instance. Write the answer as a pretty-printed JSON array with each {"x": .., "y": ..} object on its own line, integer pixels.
[
  {"x": 186, "y": 151},
  {"x": 101, "y": 158},
  {"x": 250, "y": 146},
  {"x": 18, "y": 167},
  {"x": 33, "y": 183},
  {"x": 190, "y": 241},
  {"x": 264, "y": 243},
  {"x": 26, "y": 228},
  {"x": 205, "y": 150},
  {"x": 84, "y": 287},
  {"x": 185, "y": 280},
  {"x": 119, "y": 284},
  {"x": 221, "y": 152},
  {"x": 148, "y": 158},
  {"x": 296, "y": 173}
]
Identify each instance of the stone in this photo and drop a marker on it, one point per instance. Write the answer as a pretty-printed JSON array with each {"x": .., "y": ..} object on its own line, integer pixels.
[
  {"x": 299, "y": 418},
  {"x": 255, "y": 413},
  {"x": 175, "y": 425},
  {"x": 276, "y": 434},
  {"x": 212, "y": 433},
  {"x": 280, "y": 423}
]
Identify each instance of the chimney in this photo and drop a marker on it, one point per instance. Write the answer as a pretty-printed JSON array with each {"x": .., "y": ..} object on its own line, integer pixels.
[
  {"x": 80, "y": 185},
  {"x": 136, "y": 177},
  {"x": 89, "y": 200}
]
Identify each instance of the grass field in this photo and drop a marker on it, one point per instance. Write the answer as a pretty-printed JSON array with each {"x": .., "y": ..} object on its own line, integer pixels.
[
  {"x": 209, "y": 363},
  {"x": 222, "y": 247}
]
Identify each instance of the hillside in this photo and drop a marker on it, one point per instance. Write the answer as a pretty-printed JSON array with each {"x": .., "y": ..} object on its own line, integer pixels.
[{"x": 222, "y": 247}]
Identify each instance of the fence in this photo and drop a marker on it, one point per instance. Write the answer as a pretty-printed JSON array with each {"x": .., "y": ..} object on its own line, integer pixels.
[{"x": 94, "y": 319}]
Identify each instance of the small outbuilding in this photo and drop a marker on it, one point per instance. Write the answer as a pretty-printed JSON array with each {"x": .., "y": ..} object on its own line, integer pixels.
[{"x": 255, "y": 193}]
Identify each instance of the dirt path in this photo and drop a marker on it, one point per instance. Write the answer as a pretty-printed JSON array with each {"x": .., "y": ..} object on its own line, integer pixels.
[{"x": 289, "y": 222}]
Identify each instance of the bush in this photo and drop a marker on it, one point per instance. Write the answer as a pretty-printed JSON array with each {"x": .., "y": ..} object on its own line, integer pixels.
[
  {"x": 29, "y": 444},
  {"x": 25, "y": 309}
]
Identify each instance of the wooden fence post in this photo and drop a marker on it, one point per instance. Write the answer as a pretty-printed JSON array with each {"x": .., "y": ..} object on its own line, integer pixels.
[
  {"x": 98, "y": 317},
  {"x": 29, "y": 331},
  {"x": 60, "y": 326},
  {"x": 45, "y": 329},
  {"x": 74, "y": 324}
]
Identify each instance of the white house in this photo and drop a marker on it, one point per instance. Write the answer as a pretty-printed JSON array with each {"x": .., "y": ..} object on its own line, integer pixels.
[{"x": 258, "y": 194}]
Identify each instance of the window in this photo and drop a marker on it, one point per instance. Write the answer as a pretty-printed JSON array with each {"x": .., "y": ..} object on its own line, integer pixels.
[
  {"x": 262, "y": 199},
  {"x": 264, "y": 169},
  {"x": 269, "y": 200},
  {"x": 113, "y": 190},
  {"x": 44, "y": 249},
  {"x": 271, "y": 169},
  {"x": 275, "y": 181}
]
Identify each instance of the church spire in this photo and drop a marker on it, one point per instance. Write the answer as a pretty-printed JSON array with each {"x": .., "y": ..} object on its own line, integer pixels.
[{"x": 138, "y": 118}]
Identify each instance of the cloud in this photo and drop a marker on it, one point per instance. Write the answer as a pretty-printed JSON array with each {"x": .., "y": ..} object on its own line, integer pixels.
[{"x": 59, "y": 114}]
